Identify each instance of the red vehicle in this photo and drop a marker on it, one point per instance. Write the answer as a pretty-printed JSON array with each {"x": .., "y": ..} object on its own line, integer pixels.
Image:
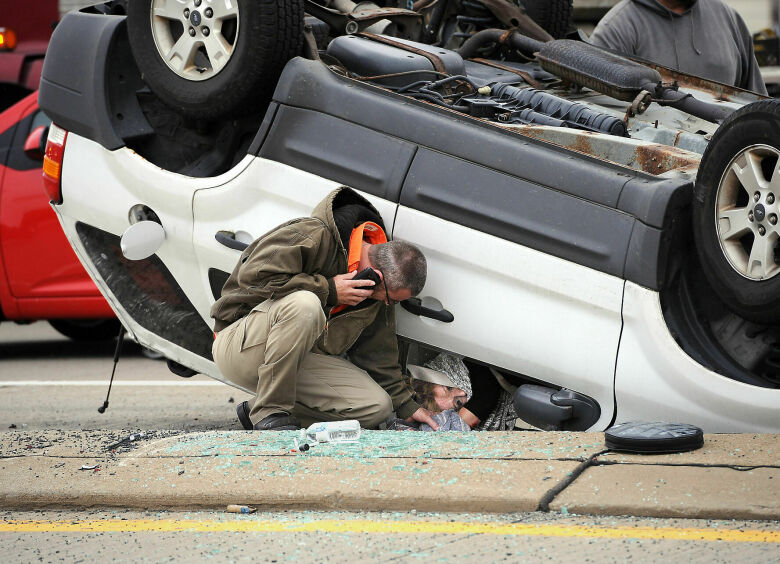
[
  {"x": 40, "y": 276},
  {"x": 24, "y": 36}
]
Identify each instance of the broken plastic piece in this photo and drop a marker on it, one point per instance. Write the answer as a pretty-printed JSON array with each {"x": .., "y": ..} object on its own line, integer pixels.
[{"x": 88, "y": 467}]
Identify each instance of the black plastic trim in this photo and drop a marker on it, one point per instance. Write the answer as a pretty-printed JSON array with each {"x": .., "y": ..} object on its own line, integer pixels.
[
  {"x": 89, "y": 80},
  {"x": 217, "y": 279},
  {"x": 339, "y": 150},
  {"x": 552, "y": 409},
  {"x": 415, "y": 307},
  {"x": 646, "y": 260},
  {"x": 514, "y": 209},
  {"x": 655, "y": 201},
  {"x": 228, "y": 239},
  {"x": 311, "y": 85},
  {"x": 265, "y": 127}
]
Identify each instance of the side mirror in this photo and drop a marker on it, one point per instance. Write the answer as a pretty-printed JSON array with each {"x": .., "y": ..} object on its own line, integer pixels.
[{"x": 35, "y": 145}]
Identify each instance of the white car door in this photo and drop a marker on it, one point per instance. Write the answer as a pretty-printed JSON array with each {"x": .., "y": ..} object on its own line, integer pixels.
[
  {"x": 265, "y": 195},
  {"x": 513, "y": 306}
]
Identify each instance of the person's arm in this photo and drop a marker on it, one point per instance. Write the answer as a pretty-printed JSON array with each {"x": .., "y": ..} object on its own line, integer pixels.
[
  {"x": 750, "y": 73},
  {"x": 485, "y": 391},
  {"x": 283, "y": 262}
]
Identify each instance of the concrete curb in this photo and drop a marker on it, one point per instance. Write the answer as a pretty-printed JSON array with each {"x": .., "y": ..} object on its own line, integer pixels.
[{"x": 733, "y": 476}]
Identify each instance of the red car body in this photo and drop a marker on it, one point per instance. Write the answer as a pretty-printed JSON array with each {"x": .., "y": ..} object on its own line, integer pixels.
[
  {"x": 40, "y": 276},
  {"x": 26, "y": 31}
]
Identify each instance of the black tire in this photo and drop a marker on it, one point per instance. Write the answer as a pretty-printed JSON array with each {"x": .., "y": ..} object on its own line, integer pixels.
[
  {"x": 553, "y": 15},
  {"x": 730, "y": 248},
  {"x": 259, "y": 38},
  {"x": 87, "y": 329}
]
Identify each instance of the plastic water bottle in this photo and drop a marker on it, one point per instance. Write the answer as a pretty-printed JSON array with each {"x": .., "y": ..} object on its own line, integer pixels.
[{"x": 333, "y": 431}]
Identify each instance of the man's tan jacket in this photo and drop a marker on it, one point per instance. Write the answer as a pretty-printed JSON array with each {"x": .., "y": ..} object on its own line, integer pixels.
[{"x": 305, "y": 254}]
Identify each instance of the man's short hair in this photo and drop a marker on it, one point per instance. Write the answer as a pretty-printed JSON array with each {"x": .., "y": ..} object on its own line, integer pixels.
[{"x": 402, "y": 264}]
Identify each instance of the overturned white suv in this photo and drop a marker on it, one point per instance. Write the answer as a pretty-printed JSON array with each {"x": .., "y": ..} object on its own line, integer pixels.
[{"x": 604, "y": 229}]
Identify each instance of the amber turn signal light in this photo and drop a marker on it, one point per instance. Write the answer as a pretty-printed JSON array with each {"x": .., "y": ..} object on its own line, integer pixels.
[{"x": 7, "y": 39}]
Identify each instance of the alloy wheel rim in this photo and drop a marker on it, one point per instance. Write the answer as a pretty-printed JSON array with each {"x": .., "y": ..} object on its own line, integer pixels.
[
  {"x": 195, "y": 38},
  {"x": 747, "y": 211}
]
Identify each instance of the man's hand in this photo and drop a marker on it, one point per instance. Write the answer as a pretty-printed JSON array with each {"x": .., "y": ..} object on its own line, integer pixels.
[
  {"x": 349, "y": 291},
  {"x": 422, "y": 415}
]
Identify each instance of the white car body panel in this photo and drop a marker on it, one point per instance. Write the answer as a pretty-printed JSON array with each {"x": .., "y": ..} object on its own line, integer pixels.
[
  {"x": 657, "y": 381},
  {"x": 539, "y": 305},
  {"x": 264, "y": 195},
  {"x": 119, "y": 180},
  {"x": 525, "y": 306}
]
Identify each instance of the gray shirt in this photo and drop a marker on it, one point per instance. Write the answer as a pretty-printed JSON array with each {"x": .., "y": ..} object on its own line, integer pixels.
[{"x": 709, "y": 40}]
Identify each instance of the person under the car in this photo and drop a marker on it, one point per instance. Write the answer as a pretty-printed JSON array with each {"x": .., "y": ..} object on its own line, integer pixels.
[
  {"x": 701, "y": 37},
  {"x": 314, "y": 343},
  {"x": 476, "y": 395}
]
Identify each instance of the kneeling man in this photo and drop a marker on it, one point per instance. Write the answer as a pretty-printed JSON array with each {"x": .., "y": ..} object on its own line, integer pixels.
[{"x": 316, "y": 344}]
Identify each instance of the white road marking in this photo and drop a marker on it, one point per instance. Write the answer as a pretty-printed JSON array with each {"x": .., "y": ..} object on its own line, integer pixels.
[{"x": 102, "y": 382}]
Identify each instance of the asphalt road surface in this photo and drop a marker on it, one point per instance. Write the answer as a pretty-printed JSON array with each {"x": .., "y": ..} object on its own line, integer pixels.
[
  {"x": 106, "y": 536},
  {"x": 50, "y": 382}
]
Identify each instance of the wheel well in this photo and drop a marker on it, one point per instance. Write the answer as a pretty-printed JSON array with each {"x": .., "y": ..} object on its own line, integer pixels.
[{"x": 712, "y": 334}]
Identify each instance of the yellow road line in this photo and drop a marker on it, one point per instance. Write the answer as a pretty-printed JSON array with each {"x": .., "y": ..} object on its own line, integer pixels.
[{"x": 248, "y": 524}]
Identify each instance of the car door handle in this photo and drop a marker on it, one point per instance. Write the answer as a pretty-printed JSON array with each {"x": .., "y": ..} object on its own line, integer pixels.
[
  {"x": 228, "y": 238},
  {"x": 415, "y": 307}
]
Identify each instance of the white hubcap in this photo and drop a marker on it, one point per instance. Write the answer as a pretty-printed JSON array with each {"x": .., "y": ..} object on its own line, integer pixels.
[
  {"x": 747, "y": 212},
  {"x": 195, "y": 38}
]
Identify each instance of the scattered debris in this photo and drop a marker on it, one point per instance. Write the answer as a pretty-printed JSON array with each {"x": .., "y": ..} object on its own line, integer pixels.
[
  {"x": 231, "y": 400},
  {"x": 132, "y": 438},
  {"x": 333, "y": 431},
  {"x": 89, "y": 467},
  {"x": 12, "y": 426},
  {"x": 240, "y": 509},
  {"x": 302, "y": 448}
]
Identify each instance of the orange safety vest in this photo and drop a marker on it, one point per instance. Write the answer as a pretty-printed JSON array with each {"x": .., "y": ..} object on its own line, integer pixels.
[{"x": 369, "y": 232}]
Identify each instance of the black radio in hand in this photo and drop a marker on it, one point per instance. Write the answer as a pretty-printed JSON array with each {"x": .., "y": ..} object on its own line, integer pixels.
[{"x": 368, "y": 274}]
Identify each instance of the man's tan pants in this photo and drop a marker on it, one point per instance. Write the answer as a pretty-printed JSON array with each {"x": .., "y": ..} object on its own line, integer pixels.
[{"x": 269, "y": 351}]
